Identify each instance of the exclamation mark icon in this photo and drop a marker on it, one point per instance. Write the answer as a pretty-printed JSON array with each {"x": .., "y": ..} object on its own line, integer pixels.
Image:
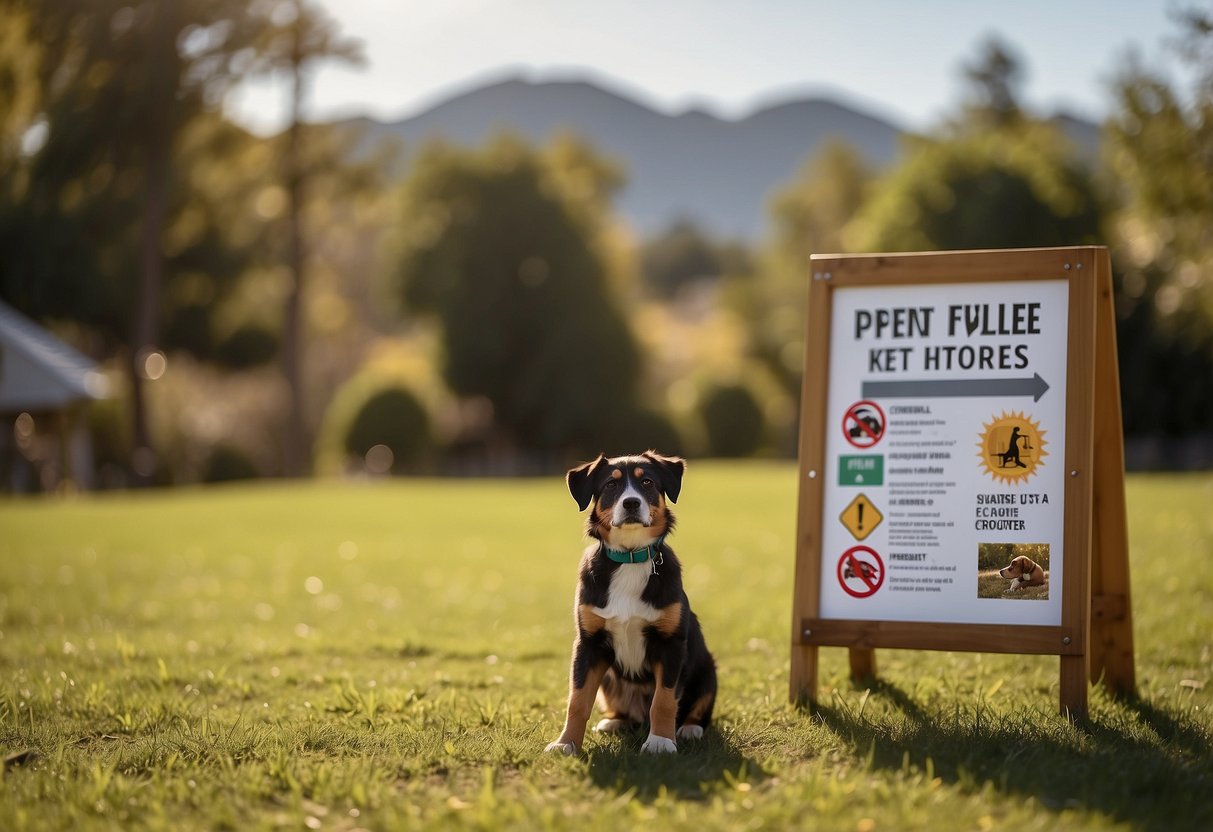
[{"x": 860, "y": 507}]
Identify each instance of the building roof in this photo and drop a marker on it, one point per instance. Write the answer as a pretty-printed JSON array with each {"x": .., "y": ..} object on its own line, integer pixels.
[{"x": 40, "y": 372}]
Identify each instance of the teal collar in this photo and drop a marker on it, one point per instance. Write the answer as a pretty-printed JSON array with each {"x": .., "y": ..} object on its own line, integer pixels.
[{"x": 653, "y": 550}]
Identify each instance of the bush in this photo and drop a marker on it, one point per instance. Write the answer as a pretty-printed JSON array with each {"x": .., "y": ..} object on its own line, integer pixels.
[
  {"x": 733, "y": 421},
  {"x": 228, "y": 463},
  {"x": 640, "y": 430},
  {"x": 189, "y": 329},
  {"x": 394, "y": 419},
  {"x": 248, "y": 346}
]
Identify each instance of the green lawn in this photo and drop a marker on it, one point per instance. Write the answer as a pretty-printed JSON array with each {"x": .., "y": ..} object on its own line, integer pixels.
[{"x": 395, "y": 655}]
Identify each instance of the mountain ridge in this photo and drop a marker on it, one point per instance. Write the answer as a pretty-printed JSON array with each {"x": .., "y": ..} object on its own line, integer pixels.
[{"x": 693, "y": 165}]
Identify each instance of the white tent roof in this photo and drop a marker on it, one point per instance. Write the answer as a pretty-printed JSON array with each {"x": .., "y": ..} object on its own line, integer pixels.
[{"x": 40, "y": 372}]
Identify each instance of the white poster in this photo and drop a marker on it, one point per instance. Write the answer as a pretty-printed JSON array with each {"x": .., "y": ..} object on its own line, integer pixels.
[{"x": 945, "y": 441}]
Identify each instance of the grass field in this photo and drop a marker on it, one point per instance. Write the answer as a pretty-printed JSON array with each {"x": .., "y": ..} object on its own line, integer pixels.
[{"x": 324, "y": 656}]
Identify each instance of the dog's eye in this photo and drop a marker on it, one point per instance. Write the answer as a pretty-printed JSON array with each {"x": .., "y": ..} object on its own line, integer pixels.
[
  {"x": 646, "y": 482},
  {"x": 610, "y": 486}
]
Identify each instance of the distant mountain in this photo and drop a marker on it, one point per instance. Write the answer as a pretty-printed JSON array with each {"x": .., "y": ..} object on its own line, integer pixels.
[{"x": 715, "y": 172}]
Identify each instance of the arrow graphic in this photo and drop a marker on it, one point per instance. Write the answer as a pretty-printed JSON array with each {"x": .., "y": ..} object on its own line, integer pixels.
[{"x": 949, "y": 388}]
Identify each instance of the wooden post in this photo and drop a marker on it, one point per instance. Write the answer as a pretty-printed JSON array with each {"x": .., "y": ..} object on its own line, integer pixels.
[
  {"x": 806, "y": 588},
  {"x": 1111, "y": 608}
]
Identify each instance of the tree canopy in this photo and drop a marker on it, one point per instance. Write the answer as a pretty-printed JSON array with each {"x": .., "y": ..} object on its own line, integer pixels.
[{"x": 507, "y": 259}]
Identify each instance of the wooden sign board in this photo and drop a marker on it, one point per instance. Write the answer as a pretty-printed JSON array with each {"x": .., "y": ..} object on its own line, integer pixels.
[{"x": 960, "y": 425}]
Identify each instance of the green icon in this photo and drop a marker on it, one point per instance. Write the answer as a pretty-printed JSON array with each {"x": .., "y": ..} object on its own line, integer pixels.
[{"x": 861, "y": 470}]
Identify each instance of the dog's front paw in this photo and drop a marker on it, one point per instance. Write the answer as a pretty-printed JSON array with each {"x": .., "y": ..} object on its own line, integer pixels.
[
  {"x": 690, "y": 732},
  {"x": 568, "y": 749},
  {"x": 658, "y": 745}
]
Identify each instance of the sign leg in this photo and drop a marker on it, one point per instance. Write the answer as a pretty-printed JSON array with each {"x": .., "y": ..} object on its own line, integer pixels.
[
  {"x": 804, "y": 675},
  {"x": 1074, "y": 687},
  {"x": 1111, "y": 607},
  {"x": 863, "y": 663}
]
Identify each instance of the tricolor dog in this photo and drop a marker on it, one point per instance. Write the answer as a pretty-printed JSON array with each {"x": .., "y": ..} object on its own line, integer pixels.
[
  {"x": 639, "y": 649},
  {"x": 1023, "y": 571}
]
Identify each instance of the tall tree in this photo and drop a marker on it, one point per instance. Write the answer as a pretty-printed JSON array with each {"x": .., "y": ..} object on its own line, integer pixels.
[
  {"x": 118, "y": 81},
  {"x": 808, "y": 216},
  {"x": 1159, "y": 153},
  {"x": 993, "y": 78},
  {"x": 1003, "y": 188},
  {"x": 505, "y": 257},
  {"x": 301, "y": 36}
]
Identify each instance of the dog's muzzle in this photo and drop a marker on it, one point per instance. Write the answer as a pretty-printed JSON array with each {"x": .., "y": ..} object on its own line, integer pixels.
[{"x": 631, "y": 511}]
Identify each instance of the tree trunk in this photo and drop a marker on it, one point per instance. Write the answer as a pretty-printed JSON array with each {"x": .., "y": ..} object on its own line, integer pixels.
[
  {"x": 295, "y": 441},
  {"x": 146, "y": 329}
]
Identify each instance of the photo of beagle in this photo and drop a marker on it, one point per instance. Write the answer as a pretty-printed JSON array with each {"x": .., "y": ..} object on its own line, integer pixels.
[
  {"x": 1023, "y": 571},
  {"x": 639, "y": 649}
]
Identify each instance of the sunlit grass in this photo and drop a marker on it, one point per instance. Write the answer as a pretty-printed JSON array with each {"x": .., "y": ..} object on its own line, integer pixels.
[{"x": 395, "y": 655}]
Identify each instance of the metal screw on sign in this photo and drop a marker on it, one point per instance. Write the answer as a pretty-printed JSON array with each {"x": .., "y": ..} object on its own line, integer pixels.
[{"x": 1065, "y": 640}]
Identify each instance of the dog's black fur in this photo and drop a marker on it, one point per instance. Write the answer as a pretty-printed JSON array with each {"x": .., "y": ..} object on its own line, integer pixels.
[{"x": 606, "y": 656}]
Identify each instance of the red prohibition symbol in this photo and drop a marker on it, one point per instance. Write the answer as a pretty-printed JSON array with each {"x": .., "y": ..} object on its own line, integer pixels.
[
  {"x": 862, "y": 566},
  {"x": 864, "y": 424}
]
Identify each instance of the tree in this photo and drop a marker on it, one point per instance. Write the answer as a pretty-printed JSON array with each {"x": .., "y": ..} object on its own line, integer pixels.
[
  {"x": 1159, "y": 156},
  {"x": 993, "y": 79},
  {"x": 508, "y": 261},
  {"x": 117, "y": 84},
  {"x": 808, "y": 216},
  {"x": 679, "y": 257},
  {"x": 1001, "y": 188},
  {"x": 992, "y": 177},
  {"x": 301, "y": 35}
]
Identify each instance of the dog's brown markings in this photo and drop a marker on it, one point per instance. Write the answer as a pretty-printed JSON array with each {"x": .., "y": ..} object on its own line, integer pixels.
[
  {"x": 616, "y": 474},
  {"x": 581, "y": 702},
  {"x": 638, "y": 472},
  {"x": 695, "y": 715},
  {"x": 658, "y": 522},
  {"x": 589, "y": 621},
  {"x": 664, "y": 708},
  {"x": 670, "y": 618},
  {"x": 602, "y": 522}
]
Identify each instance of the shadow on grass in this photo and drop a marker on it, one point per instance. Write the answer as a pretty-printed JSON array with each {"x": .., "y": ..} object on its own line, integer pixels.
[
  {"x": 1156, "y": 774},
  {"x": 693, "y": 772}
]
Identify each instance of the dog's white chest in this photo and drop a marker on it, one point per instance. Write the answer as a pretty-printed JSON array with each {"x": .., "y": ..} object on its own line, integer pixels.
[{"x": 627, "y": 616}]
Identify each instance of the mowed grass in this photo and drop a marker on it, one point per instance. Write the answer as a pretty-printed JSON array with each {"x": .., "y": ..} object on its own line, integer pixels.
[{"x": 329, "y": 656}]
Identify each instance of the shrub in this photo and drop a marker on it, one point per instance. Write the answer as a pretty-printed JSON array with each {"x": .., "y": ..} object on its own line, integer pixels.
[
  {"x": 391, "y": 417},
  {"x": 733, "y": 421},
  {"x": 227, "y": 463},
  {"x": 640, "y": 430},
  {"x": 249, "y": 345},
  {"x": 189, "y": 328}
]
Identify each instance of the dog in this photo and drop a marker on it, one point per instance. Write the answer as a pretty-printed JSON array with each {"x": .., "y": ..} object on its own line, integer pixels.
[
  {"x": 639, "y": 648},
  {"x": 1023, "y": 571}
]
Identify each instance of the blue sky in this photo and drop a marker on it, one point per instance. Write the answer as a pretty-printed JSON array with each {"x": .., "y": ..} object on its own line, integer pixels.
[{"x": 899, "y": 60}]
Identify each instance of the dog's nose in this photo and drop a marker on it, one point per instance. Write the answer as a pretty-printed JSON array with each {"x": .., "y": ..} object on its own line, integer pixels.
[{"x": 631, "y": 504}]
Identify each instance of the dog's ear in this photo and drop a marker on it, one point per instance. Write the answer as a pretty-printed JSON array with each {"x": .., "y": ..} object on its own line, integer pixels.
[
  {"x": 581, "y": 482},
  {"x": 671, "y": 468}
]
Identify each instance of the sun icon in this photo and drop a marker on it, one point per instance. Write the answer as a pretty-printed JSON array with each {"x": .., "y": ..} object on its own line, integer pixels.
[{"x": 1012, "y": 447}]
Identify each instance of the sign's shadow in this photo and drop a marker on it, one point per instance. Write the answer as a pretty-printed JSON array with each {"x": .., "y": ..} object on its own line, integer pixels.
[{"x": 1096, "y": 765}]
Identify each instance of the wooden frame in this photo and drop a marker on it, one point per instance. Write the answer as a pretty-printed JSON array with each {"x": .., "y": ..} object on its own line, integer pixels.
[{"x": 1094, "y": 639}]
